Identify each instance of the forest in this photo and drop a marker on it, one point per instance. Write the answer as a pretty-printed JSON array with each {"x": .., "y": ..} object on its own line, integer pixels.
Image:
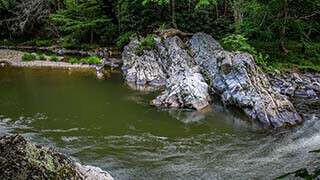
[
  {"x": 159, "y": 89},
  {"x": 282, "y": 33}
]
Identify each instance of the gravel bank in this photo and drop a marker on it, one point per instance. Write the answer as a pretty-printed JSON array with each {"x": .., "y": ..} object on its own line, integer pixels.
[{"x": 14, "y": 58}]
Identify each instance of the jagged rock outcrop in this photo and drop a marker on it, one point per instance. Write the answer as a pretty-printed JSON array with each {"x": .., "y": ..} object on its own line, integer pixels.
[
  {"x": 186, "y": 86},
  {"x": 238, "y": 80},
  {"x": 200, "y": 65},
  {"x": 145, "y": 69},
  {"x": 171, "y": 65},
  {"x": 21, "y": 159}
]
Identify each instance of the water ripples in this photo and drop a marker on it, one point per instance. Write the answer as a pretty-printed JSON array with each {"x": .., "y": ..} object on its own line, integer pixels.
[{"x": 207, "y": 156}]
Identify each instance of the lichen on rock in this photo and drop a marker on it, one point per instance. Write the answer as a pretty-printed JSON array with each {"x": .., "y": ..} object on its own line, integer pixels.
[{"x": 21, "y": 159}]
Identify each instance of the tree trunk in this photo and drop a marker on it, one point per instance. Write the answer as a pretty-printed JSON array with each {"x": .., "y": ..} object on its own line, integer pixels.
[
  {"x": 283, "y": 28},
  {"x": 173, "y": 14},
  {"x": 91, "y": 36},
  {"x": 217, "y": 10},
  {"x": 225, "y": 4},
  {"x": 237, "y": 14}
]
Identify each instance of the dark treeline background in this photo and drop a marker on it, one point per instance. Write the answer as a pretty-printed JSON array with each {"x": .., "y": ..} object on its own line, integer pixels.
[{"x": 286, "y": 30}]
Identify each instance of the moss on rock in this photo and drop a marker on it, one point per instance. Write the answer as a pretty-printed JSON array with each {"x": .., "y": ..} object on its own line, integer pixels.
[{"x": 21, "y": 159}]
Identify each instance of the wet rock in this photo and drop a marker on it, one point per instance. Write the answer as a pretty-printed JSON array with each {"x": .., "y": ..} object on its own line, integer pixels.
[
  {"x": 297, "y": 84},
  {"x": 199, "y": 66},
  {"x": 186, "y": 87},
  {"x": 302, "y": 88},
  {"x": 21, "y": 159},
  {"x": 92, "y": 173},
  {"x": 238, "y": 81},
  {"x": 169, "y": 64},
  {"x": 147, "y": 69}
]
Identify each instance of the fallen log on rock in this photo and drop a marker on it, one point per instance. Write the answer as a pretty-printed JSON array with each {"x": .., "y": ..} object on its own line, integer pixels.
[{"x": 21, "y": 159}]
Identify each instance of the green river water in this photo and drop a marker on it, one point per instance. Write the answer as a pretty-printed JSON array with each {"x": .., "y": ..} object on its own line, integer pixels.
[{"x": 106, "y": 124}]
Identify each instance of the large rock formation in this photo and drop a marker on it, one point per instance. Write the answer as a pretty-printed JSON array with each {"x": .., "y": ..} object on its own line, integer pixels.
[
  {"x": 238, "y": 80},
  {"x": 21, "y": 159},
  {"x": 145, "y": 69},
  {"x": 186, "y": 86},
  {"x": 168, "y": 64},
  {"x": 201, "y": 65}
]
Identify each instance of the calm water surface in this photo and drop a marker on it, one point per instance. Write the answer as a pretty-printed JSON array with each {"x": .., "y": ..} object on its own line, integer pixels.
[{"x": 104, "y": 123}]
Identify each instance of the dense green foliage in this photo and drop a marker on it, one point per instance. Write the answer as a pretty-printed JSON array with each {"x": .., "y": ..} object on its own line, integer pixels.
[
  {"x": 286, "y": 30},
  {"x": 240, "y": 43},
  {"x": 28, "y": 57},
  {"x": 147, "y": 43},
  {"x": 124, "y": 39},
  {"x": 91, "y": 60}
]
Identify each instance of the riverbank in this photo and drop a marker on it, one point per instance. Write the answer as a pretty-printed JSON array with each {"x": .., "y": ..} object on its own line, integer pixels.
[{"x": 14, "y": 58}]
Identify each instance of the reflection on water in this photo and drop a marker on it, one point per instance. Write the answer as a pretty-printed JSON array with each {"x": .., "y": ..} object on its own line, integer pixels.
[{"x": 106, "y": 124}]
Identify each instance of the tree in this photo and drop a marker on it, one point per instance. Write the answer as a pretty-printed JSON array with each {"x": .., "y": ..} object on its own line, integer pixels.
[
  {"x": 80, "y": 19},
  {"x": 24, "y": 16}
]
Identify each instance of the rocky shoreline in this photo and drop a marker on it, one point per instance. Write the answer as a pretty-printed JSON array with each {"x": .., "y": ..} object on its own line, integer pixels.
[
  {"x": 14, "y": 58},
  {"x": 22, "y": 159},
  {"x": 195, "y": 69}
]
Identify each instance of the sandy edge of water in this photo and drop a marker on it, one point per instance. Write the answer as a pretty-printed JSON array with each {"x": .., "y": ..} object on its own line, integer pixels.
[{"x": 14, "y": 58}]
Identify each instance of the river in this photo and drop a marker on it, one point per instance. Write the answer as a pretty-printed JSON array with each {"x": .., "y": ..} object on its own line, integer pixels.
[{"x": 106, "y": 124}]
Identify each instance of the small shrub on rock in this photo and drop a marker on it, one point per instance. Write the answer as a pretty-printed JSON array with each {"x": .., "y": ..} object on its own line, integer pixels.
[
  {"x": 54, "y": 58},
  {"x": 237, "y": 42},
  {"x": 147, "y": 43},
  {"x": 73, "y": 60},
  {"x": 41, "y": 57},
  {"x": 124, "y": 39},
  {"x": 91, "y": 60},
  {"x": 28, "y": 57}
]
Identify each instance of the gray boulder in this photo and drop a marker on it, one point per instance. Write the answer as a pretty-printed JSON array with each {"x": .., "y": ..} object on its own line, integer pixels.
[
  {"x": 186, "y": 86},
  {"x": 169, "y": 62},
  {"x": 145, "y": 69},
  {"x": 238, "y": 81}
]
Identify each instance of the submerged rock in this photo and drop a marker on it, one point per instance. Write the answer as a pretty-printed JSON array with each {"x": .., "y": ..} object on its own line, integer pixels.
[
  {"x": 21, "y": 159},
  {"x": 238, "y": 81}
]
